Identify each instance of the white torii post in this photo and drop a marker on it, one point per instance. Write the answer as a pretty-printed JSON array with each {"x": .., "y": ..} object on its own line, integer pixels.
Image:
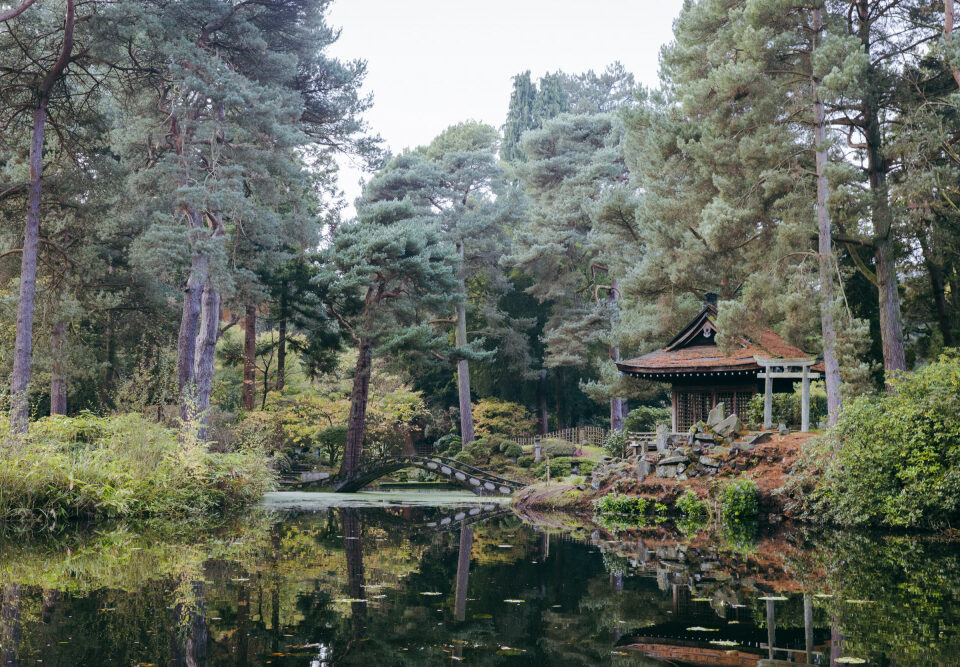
[{"x": 794, "y": 369}]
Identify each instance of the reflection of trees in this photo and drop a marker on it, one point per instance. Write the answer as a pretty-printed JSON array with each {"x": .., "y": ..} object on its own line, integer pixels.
[
  {"x": 9, "y": 624},
  {"x": 463, "y": 571},
  {"x": 190, "y": 644},
  {"x": 353, "y": 549}
]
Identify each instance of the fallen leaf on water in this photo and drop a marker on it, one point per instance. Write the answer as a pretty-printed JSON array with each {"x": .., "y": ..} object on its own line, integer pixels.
[
  {"x": 850, "y": 661},
  {"x": 350, "y": 600},
  {"x": 723, "y": 642},
  {"x": 515, "y": 601},
  {"x": 773, "y": 597},
  {"x": 430, "y": 593},
  {"x": 698, "y": 628}
]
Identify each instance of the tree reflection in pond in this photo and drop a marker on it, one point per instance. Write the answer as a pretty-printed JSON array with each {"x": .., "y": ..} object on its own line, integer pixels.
[{"x": 350, "y": 586}]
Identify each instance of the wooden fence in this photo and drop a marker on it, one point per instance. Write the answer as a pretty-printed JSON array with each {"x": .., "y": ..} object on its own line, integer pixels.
[{"x": 594, "y": 435}]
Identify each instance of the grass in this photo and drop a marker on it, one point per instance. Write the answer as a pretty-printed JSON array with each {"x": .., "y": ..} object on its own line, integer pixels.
[{"x": 90, "y": 467}]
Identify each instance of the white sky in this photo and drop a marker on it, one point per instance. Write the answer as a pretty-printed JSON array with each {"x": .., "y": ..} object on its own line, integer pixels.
[{"x": 433, "y": 63}]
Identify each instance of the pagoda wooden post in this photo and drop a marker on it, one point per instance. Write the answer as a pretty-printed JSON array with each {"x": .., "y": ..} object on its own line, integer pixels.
[
  {"x": 805, "y": 401},
  {"x": 767, "y": 399}
]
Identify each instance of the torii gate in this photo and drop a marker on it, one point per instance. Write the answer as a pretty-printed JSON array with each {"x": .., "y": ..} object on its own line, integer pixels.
[{"x": 796, "y": 369}]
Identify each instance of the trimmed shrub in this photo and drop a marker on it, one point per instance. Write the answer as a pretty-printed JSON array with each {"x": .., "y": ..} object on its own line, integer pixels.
[
  {"x": 616, "y": 444},
  {"x": 525, "y": 461},
  {"x": 585, "y": 467},
  {"x": 513, "y": 451},
  {"x": 691, "y": 506},
  {"x": 644, "y": 418},
  {"x": 559, "y": 467},
  {"x": 448, "y": 444},
  {"x": 557, "y": 447},
  {"x": 465, "y": 457}
]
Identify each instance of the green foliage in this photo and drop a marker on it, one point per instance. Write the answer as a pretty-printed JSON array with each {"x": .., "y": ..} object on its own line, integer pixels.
[
  {"x": 122, "y": 466},
  {"x": 788, "y": 408},
  {"x": 465, "y": 457},
  {"x": 629, "y": 508},
  {"x": 448, "y": 444},
  {"x": 739, "y": 500},
  {"x": 585, "y": 467},
  {"x": 560, "y": 467},
  {"x": 616, "y": 444},
  {"x": 525, "y": 461},
  {"x": 892, "y": 458},
  {"x": 646, "y": 418},
  {"x": 492, "y": 416},
  {"x": 557, "y": 447},
  {"x": 513, "y": 451},
  {"x": 690, "y": 505}
]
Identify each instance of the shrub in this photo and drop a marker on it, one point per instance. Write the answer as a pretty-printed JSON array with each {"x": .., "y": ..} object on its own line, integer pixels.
[
  {"x": 739, "y": 500},
  {"x": 616, "y": 444},
  {"x": 691, "y": 506},
  {"x": 122, "y": 466},
  {"x": 513, "y": 451},
  {"x": 557, "y": 447},
  {"x": 491, "y": 416},
  {"x": 621, "y": 507},
  {"x": 465, "y": 457},
  {"x": 559, "y": 467},
  {"x": 585, "y": 467},
  {"x": 525, "y": 461},
  {"x": 645, "y": 418},
  {"x": 448, "y": 444},
  {"x": 891, "y": 459}
]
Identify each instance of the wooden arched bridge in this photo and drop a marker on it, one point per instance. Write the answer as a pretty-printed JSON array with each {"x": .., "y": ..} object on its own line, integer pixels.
[{"x": 469, "y": 477}]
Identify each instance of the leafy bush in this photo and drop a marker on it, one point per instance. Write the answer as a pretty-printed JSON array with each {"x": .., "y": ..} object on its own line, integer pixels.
[
  {"x": 513, "y": 451},
  {"x": 585, "y": 467},
  {"x": 559, "y": 467},
  {"x": 465, "y": 457},
  {"x": 121, "y": 466},
  {"x": 525, "y": 461},
  {"x": 788, "y": 408},
  {"x": 740, "y": 500},
  {"x": 891, "y": 459},
  {"x": 448, "y": 444},
  {"x": 557, "y": 447},
  {"x": 621, "y": 507},
  {"x": 691, "y": 506},
  {"x": 616, "y": 444},
  {"x": 645, "y": 418},
  {"x": 491, "y": 416}
]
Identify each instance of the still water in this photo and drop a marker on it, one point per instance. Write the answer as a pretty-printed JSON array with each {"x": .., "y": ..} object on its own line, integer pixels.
[{"x": 391, "y": 579}]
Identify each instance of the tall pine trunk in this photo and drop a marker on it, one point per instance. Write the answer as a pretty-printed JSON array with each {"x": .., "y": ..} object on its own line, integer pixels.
[
  {"x": 206, "y": 347},
  {"x": 187, "y": 338},
  {"x": 938, "y": 285},
  {"x": 358, "y": 409},
  {"x": 825, "y": 249},
  {"x": 542, "y": 402},
  {"x": 282, "y": 343},
  {"x": 617, "y": 405},
  {"x": 891, "y": 322},
  {"x": 249, "y": 358},
  {"x": 58, "y": 370},
  {"x": 10, "y": 624},
  {"x": 23, "y": 345},
  {"x": 463, "y": 369}
]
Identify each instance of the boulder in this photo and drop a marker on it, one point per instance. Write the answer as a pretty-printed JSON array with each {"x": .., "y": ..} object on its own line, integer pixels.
[
  {"x": 709, "y": 461},
  {"x": 782, "y": 429},
  {"x": 663, "y": 438},
  {"x": 716, "y": 415},
  {"x": 728, "y": 426},
  {"x": 673, "y": 460},
  {"x": 705, "y": 437},
  {"x": 667, "y": 471}
]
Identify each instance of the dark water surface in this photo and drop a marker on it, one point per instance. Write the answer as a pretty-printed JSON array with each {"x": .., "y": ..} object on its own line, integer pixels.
[{"x": 449, "y": 579}]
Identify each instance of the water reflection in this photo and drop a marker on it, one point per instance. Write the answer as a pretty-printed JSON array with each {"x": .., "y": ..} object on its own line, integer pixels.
[{"x": 402, "y": 585}]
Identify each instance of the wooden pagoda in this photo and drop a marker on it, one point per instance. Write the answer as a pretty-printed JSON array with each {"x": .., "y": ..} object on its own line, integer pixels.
[{"x": 701, "y": 376}]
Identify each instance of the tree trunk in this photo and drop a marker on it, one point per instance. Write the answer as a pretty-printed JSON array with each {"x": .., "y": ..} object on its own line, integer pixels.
[
  {"x": 58, "y": 379},
  {"x": 206, "y": 347},
  {"x": 249, "y": 358},
  {"x": 23, "y": 347},
  {"x": 353, "y": 550},
  {"x": 187, "y": 339},
  {"x": 560, "y": 403},
  {"x": 939, "y": 288},
  {"x": 542, "y": 401},
  {"x": 825, "y": 249},
  {"x": 463, "y": 369},
  {"x": 9, "y": 624},
  {"x": 617, "y": 405},
  {"x": 891, "y": 323},
  {"x": 358, "y": 409},
  {"x": 282, "y": 343},
  {"x": 948, "y": 20}
]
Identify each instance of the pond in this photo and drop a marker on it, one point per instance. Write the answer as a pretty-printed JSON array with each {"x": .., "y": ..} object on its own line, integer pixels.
[{"x": 414, "y": 579}]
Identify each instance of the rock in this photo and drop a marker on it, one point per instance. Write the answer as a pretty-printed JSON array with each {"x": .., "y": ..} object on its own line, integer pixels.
[
  {"x": 758, "y": 439},
  {"x": 709, "y": 461},
  {"x": 728, "y": 426},
  {"x": 743, "y": 446},
  {"x": 680, "y": 469},
  {"x": 716, "y": 415},
  {"x": 681, "y": 478},
  {"x": 782, "y": 429},
  {"x": 673, "y": 460},
  {"x": 720, "y": 452},
  {"x": 663, "y": 438},
  {"x": 666, "y": 471}
]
